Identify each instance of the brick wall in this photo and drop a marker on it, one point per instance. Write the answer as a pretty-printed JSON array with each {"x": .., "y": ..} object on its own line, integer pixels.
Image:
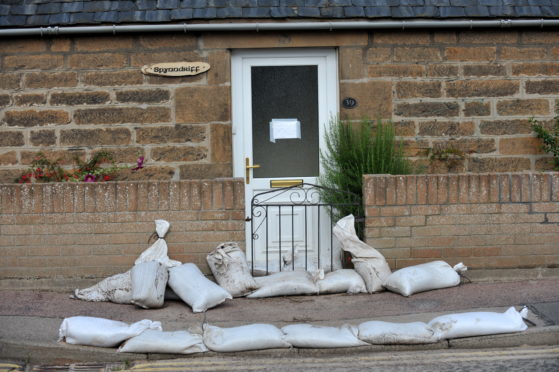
[
  {"x": 72, "y": 231},
  {"x": 92, "y": 230},
  {"x": 497, "y": 220},
  {"x": 470, "y": 90}
]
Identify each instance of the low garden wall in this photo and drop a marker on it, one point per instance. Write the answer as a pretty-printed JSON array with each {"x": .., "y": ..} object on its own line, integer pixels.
[
  {"x": 70, "y": 233},
  {"x": 498, "y": 220},
  {"x": 62, "y": 231}
]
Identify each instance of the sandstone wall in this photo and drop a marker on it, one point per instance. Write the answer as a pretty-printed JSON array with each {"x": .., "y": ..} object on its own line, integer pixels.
[
  {"x": 467, "y": 90},
  {"x": 473, "y": 91}
]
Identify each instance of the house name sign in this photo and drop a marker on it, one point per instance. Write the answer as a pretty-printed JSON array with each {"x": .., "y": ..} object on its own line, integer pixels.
[{"x": 176, "y": 68}]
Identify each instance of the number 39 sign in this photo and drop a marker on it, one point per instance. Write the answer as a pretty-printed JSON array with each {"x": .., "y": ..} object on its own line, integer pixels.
[{"x": 349, "y": 102}]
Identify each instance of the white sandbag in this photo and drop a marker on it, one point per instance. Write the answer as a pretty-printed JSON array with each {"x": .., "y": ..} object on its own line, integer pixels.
[
  {"x": 340, "y": 281},
  {"x": 287, "y": 283},
  {"x": 86, "y": 330},
  {"x": 368, "y": 262},
  {"x": 158, "y": 250},
  {"x": 152, "y": 341},
  {"x": 424, "y": 277},
  {"x": 478, "y": 323},
  {"x": 367, "y": 270},
  {"x": 313, "y": 336},
  {"x": 243, "y": 338},
  {"x": 381, "y": 333},
  {"x": 229, "y": 267},
  {"x": 190, "y": 284},
  {"x": 149, "y": 280},
  {"x": 116, "y": 288}
]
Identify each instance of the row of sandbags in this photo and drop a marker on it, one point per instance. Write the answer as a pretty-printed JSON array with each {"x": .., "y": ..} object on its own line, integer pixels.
[
  {"x": 376, "y": 273},
  {"x": 148, "y": 337},
  {"x": 372, "y": 273},
  {"x": 145, "y": 284},
  {"x": 413, "y": 279}
]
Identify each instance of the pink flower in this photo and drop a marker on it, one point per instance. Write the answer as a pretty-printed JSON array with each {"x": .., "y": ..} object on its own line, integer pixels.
[
  {"x": 139, "y": 163},
  {"x": 89, "y": 178}
]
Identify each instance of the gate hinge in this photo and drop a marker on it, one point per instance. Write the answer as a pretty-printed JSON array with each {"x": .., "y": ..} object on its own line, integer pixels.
[{"x": 248, "y": 219}]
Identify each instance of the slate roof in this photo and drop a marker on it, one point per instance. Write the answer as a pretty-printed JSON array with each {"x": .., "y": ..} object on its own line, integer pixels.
[{"x": 34, "y": 13}]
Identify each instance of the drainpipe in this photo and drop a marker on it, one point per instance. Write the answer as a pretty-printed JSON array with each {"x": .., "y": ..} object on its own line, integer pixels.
[{"x": 272, "y": 26}]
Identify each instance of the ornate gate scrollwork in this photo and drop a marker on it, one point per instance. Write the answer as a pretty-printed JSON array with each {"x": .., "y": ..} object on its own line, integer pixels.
[{"x": 309, "y": 224}]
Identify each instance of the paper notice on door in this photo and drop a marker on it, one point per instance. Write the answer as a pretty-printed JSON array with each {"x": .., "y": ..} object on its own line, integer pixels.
[{"x": 285, "y": 129}]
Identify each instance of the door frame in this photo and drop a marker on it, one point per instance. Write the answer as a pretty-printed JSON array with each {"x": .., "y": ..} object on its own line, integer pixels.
[
  {"x": 328, "y": 107},
  {"x": 327, "y": 93}
]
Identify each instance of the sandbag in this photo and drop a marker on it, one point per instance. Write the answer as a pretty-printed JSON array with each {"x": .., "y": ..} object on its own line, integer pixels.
[
  {"x": 287, "y": 283},
  {"x": 367, "y": 261},
  {"x": 229, "y": 267},
  {"x": 340, "y": 281},
  {"x": 243, "y": 338},
  {"x": 478, "y": 323},
  {"x": 158, "y": 250},
  {"x": 200, "y": 293},
  {"x": 91, "y": 331},
  {"x": 116, "y": 288},
  {"x": 149, "y": 280},
  {"x": 424, "y": 277},
  {"x": 381, "y": 333},
  {"x": 152, "y": 341},
  {"x": 313, "y": 336}
]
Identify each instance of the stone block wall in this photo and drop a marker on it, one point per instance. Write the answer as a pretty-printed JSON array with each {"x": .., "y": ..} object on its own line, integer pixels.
[
  {"x": 69, "y": 97},
  {"x": 471, "y": 91},
  {"x": 494, "y": 220},
  {"x": 468, "y": 90},
  {"x": 92, "y": 230}
]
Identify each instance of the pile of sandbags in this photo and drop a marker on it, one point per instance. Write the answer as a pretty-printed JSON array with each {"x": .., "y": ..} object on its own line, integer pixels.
[
  {"x": 118, "y": 288},
  {"x": 153, "y": 275},
  {"x": 148, "y": 337},
  {"x": 374, "y": 269}
]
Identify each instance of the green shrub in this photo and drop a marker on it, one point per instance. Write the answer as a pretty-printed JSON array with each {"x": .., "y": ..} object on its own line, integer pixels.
[
  {"x": 355, "y": 150},
  {"x": 550, "y": 140}
]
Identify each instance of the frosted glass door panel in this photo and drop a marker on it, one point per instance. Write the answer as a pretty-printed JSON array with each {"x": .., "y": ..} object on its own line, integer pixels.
[{"x": 285, "y": 92}]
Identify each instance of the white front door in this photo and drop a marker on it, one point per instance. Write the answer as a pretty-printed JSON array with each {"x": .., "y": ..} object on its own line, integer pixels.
[{"x": 283, "y": 101}]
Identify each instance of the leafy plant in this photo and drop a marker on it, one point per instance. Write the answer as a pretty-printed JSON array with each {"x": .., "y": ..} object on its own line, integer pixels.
[
  {"x": 353, "y": 152},
  {"x": 43, "y": 170},
  {"x": 550, "y": 140},
  {"x": 101, "y": 167}
]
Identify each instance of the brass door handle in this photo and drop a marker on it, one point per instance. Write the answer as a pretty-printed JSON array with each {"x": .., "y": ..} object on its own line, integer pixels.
[{"x": 248, "y": 167}]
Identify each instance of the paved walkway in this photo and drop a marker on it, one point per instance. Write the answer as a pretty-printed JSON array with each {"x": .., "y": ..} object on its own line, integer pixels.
[{"x": 29, "y": 320}]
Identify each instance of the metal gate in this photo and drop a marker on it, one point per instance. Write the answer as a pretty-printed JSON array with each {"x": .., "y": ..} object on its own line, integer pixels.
[{"x": 292, "y": 228}]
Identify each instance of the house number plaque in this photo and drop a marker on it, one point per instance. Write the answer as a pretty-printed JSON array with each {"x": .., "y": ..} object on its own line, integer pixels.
[
  {"x": 176, "y": 68},
  {"x": 349, "y": 102}
]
